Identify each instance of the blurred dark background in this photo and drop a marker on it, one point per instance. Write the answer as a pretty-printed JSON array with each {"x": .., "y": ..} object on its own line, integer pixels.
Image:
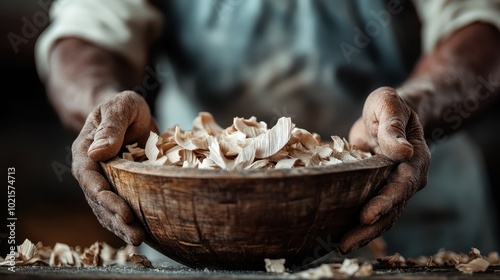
[{"x": 50, "y": 207}]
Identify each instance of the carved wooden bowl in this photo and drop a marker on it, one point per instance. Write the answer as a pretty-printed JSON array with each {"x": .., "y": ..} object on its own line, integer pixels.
[{"x": 234, "y": 219}]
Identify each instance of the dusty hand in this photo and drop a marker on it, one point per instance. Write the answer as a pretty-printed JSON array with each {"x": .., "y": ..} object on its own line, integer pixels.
[
  {"x": 389, "y": 127},
  {"x": 121, "y": 120}
]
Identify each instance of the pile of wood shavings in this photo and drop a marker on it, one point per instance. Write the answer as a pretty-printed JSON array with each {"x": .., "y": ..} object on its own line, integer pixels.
[
  {"x": 246, "y": 144},
  {"x": 474, "y": 262},
  {"x": 62, "y": 255}
]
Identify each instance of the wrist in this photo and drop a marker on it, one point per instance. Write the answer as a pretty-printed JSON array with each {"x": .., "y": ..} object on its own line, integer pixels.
[
  {"x": 74, "y": 103},
  {"x": 413, "y": 95}
]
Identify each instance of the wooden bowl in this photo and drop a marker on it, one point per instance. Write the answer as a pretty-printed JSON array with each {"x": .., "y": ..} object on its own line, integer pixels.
[{"x": 234, "y": 219}]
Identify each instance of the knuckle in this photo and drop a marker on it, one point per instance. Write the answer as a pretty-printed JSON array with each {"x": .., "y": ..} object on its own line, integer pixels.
[
  {"x": 414, "y": 182},
  {"x": 423, "y": 183},
  {"x": 75, "y": 172},
  {"x": 425, "y": 160},
  {"x": 386, "y": 91},
  {"x": 130, "y": 98},
  {"x": 396, "y": 124},
  {"x": 427, "y": 155}
]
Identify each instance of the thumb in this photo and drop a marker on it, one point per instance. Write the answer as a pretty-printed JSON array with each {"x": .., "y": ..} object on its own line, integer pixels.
[
  {"x": 108, "y": 138},
  {"x": 392, "y": 139},
  {"x": 123, "y": 118},
  {"x": 392, "y": 115}
]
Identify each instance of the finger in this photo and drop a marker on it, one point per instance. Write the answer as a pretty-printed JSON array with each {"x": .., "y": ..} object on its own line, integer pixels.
[
  {"x": 415, "y": 135},
  {"x": 400, "y": 188},
  {"x": 102, "y": 136},
  {"x": 95, "y": 186},
  {"x": 407, "y": 178},
  {"x": 89, "y": 174},
  {"x": 388, "y": 125},
  {"x": 125, "y": 118},
  {"x": 132, "y": 233},
  {"x": 115, "y": 204},
  {"x": 362, "y": 234}
]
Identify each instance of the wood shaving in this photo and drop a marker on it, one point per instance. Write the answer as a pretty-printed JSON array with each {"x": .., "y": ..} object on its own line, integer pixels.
[
  {"x": 260, "y": 164},
  {"x": 365, "y": 270},
  {"x": 474, "y": 253},
  {"x": 246, "y": 144},
  {"x": 320, "y": 272},
  {"x": 275, "y": 266},
  {"x": 29, "y": 254},
  {"x": 286, "y": 163},
  {"x": 135, "y": 153},
  {"x": 42, "y": 251},
  {"x": 419, "y": 261},
  {"x": 270, "y": 142},
  {"x": 63, "y": 255},
  {"x": 91, "y": 257},
  {"x": 349, "y": 267},
  {"x": 98, "y": 254},
  {"x": 119, "y": 257},
  {"x": 476, "y": 263},
  {"x": 392, "y": 260},
  {"x": 26, "y": 250},
  {"x": 141, "y": 261},
  {"x": 446, "y": 258}
]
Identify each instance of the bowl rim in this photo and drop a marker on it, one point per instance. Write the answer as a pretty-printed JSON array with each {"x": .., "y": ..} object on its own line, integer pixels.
[{"x": 373, "y": 162}]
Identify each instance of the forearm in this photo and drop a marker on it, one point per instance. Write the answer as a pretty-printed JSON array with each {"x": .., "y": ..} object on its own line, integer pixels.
[
  {"x": 81, "y": 76},
  {"x": 457, "y": 81}
]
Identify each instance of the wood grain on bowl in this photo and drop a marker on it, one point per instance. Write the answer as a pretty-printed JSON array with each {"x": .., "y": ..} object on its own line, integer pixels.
[{"x": 236, "y": 219}]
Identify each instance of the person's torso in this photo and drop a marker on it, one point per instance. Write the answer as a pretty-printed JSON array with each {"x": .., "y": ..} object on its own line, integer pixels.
[{"x": 313, "y": 60}]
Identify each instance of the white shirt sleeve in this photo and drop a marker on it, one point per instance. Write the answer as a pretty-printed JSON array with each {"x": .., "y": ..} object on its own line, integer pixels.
[
  {"x": 440, "y": 18},
  {"x": 125, "y": 27}
]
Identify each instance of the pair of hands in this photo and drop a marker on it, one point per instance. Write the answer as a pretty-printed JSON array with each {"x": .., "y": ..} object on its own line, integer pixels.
[{"x": 388, "y": 126}]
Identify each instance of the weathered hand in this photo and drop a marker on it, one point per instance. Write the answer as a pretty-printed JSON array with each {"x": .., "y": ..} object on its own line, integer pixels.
[
  {"x": 121, "y": 120},
  {"x": 391, "y": 128}
]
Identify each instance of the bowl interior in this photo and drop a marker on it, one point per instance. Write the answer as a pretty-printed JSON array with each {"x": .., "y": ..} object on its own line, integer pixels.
[{"x": 235, "y": 219}]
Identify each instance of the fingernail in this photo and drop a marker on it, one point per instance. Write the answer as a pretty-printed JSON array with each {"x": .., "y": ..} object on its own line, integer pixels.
[{"x": 99, "y": 144}]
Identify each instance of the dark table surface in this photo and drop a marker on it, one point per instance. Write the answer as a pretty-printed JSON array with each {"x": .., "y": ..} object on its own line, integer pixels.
[{"x": 163, "y": 272}]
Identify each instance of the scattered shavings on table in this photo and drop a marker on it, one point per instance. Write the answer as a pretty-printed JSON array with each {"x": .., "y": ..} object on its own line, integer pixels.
[
  {"x": 474, "y": 262},
  {"x": 101, "y": 254},
  {"x": 348, "y": 268},
  {"x": 98, "y": 254},
  {"x": 246, "y": 144}
]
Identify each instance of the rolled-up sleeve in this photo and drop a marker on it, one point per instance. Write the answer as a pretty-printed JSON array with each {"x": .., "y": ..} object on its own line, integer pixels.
[
  {"x": 440, "y": 18},
  {"x": 125, "y": 27}
]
